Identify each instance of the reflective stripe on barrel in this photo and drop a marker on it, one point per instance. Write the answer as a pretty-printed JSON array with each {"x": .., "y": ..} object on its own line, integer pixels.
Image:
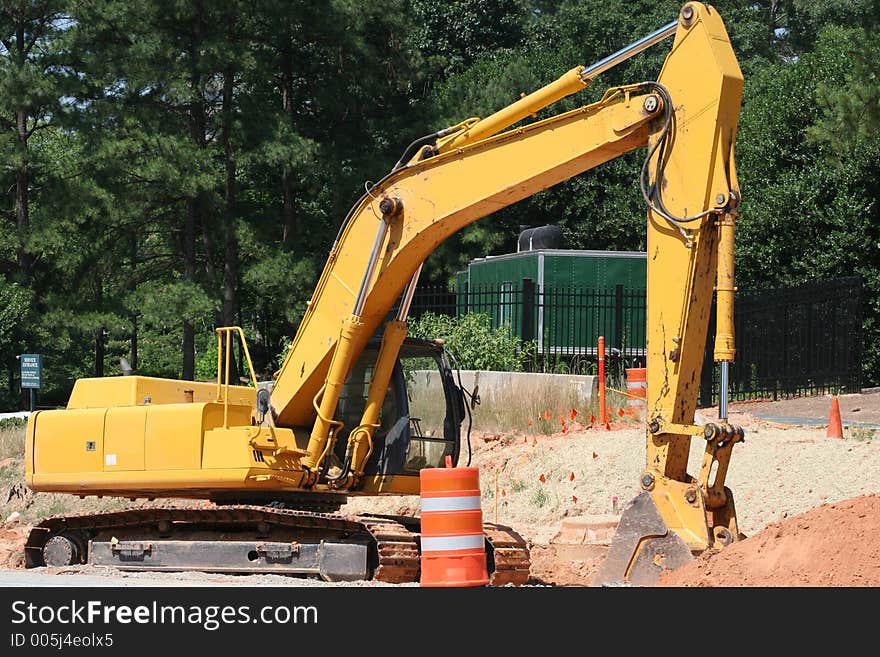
[
  {"x": 448, "y": 543},
  {"x": 636, "y": 386},
  {"x": 457, "y": 503},
  {"x": 453, "y": 549}
]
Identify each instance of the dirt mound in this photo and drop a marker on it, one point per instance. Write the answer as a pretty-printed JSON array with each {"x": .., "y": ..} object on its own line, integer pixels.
[
  {"x": 550, "y": 569},
  {"x": 12, "y": 539},
  {"x": 830, "y": 545}
]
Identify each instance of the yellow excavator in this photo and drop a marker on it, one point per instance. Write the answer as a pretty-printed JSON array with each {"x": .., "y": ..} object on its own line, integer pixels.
[{"x": 277, "y": 459}]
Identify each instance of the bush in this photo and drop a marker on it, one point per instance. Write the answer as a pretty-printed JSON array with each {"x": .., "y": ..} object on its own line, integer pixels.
[
  {"x": 13, "y": 423},
  {"x": 473, "y": 341}
]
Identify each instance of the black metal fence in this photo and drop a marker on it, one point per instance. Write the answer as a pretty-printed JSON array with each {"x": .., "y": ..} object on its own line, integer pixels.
[
  {"x": 790, "y": 342},
  {"x": 563, "y": 325},
  {"x": 795, "y": 341}
]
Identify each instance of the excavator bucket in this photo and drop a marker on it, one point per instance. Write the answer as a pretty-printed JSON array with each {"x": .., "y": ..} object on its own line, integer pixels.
[{"x": 642, "y": 548}]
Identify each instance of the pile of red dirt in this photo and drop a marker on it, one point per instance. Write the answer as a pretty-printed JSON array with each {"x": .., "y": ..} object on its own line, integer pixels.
[
  {"x": 831, "y": 545},
  {"x": 12, "y": 540}
]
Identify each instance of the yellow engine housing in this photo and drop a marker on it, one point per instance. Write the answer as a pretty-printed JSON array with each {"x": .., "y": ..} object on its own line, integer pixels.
[{"x": 142, "y": 436}]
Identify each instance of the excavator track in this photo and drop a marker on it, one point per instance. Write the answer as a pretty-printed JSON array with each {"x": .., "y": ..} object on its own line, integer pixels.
[
  {"x": 397, "y": 549},
  {"x": 507, "y": 553},
  {"x": 334, "y": 547},
  {"x": 251, "y": 539},
  {"x": 510, "y": 554}
]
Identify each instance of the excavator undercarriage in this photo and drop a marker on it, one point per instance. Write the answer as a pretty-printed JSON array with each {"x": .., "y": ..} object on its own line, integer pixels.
[{"x": 247, "y": 539}]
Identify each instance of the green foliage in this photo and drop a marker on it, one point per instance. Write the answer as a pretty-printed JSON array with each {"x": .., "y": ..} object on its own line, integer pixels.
[
  {"x": 173, "y": 167},
  {"x": 14, "y": 302},
  {"x": 473, "y": 341},
  {"x": 12, "y": 423},
  {"x": 453, "y": 35},
  {"x": 862, "y": 433},
  {"x": 810, "y": 186},
  {"x": 206, "y": 363},
  {"x": 850, "y": 119},
  {"x": 539, "y": 497}
]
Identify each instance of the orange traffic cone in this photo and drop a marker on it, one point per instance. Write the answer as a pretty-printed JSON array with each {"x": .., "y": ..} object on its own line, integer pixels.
[{"x": 835, "y": 429}]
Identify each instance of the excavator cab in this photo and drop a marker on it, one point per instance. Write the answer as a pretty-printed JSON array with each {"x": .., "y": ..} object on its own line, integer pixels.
[{"x": 414, "y": 431}]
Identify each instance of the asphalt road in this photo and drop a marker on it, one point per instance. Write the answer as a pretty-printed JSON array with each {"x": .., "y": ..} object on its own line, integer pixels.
[{"x": 800, "y": 420}]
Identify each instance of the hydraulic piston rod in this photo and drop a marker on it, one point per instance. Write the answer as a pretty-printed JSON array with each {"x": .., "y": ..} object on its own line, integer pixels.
[
  {"x": 632, "y": 49},
  {"x": 406, "y": 299},
  {"x": 724, "y": 294},
  {"x": 323, "y": 432},
  {"x": 571, "y": 82},
  {"x": 360, "y": 441}
]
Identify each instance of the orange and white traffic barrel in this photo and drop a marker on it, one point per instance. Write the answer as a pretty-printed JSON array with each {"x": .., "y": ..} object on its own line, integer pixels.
[
  {"x": 453, "y": 551},
  {"x": 636, "y": 390}
]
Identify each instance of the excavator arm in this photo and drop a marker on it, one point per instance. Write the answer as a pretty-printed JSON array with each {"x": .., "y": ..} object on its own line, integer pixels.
[{"x": 688, "y": 120}]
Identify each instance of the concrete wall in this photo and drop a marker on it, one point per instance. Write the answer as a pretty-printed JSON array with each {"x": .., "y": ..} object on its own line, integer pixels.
[
  {"x": 500, "y": 386},
  {"x": 505, "y": 388},
  {"x": 22, "y": 414}
]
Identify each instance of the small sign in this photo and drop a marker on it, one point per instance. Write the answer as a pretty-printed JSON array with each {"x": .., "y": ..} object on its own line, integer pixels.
[{"x": 31, "y": 371}]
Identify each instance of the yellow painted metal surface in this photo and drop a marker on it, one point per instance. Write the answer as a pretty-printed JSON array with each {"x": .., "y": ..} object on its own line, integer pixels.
[
  {"x": 705, "y": 83},
  {"x": 389, "y": 485},
  {"x": 324, "y": 402},
  {"x": 141, "y": 390},
  {"x": 200, "y": 483},
  {"x": 569, "y": 83},
  {"x": 123, "y": 442},
  {"x": 124, "y": 429},
  {"x": 360, "y": 440},
  {"x": 173, "y": 439},
  {"x": 69, "y": 441},
  {"x": 226, "y": 392},
  {"x": 29, "y": 448},
  {"x": 687, "y": 519},
  {"x": 725, "y": 348},
  {"x": 255, "y": 447}
]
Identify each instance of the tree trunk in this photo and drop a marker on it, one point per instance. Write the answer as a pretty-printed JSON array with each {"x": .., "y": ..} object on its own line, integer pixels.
[
  {"x": 22, "y": 210},
  {"x": 99, "y": 352},
  {"x": 134, "y": 325},
  {"x": 134, "y": 344},
  {"x": 189, "y": 273},
  {"x": 12, "y": 367},
  {"x": 230, "y": 244},
  {"x": 288, "y": 212},
  {"x": 193, "y": 212}
]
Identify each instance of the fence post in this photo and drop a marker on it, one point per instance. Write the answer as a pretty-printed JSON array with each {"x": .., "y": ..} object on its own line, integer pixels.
[
  {"x": 527, "y": 328},
  {"x": 856, "y": 338},
  {"x": 603, "y": 416},
  {"x": 618, "y": 317},
  {"x": 99, "y": 351}
]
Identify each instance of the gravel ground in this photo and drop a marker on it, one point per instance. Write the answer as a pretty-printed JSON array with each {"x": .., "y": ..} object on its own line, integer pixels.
[
  {"x": 102, "y": 576},
  {"x": 777, "y": 472}
]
